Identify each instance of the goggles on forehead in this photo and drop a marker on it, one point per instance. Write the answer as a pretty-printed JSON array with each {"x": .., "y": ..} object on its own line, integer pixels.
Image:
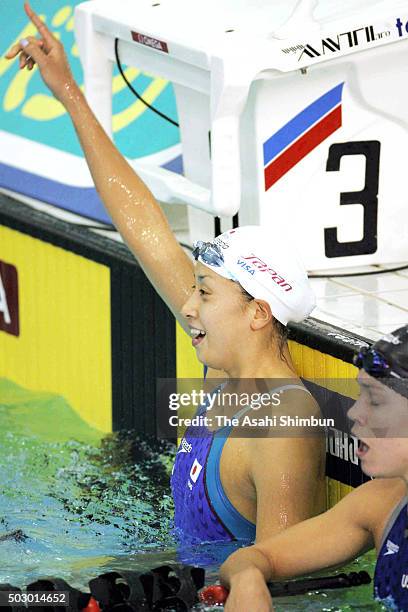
[
  {"x": 374, "y": 363},
  {"x": 211, "y": 254}
]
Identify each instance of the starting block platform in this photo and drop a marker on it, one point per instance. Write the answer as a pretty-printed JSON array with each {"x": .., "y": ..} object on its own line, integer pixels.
[{"x": 292, "y": 114}]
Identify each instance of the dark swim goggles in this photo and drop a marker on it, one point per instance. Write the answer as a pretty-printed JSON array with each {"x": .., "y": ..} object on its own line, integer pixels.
[
  {"x": 211, "y": 254},
  {"x": 374, "y": 363}
]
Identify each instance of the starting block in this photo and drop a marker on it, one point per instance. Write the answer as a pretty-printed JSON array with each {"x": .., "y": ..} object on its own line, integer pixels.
[{"x": 291, "y": 114}]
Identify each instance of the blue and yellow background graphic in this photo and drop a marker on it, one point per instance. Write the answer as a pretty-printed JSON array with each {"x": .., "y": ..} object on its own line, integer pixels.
[{"x": 31, "y": 116}]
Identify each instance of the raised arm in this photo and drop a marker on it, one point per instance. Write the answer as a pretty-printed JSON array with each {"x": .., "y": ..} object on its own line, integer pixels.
[
  {"x": 133, "y": 208},
  {"x": 351, "y": 527}
]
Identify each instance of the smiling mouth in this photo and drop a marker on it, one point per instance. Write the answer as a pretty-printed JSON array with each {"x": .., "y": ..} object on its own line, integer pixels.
[{"x": 197, "y": 335}]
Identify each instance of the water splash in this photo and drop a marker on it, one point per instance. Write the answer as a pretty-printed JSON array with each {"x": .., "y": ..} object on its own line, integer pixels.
[{"x": 84, "y": 505}]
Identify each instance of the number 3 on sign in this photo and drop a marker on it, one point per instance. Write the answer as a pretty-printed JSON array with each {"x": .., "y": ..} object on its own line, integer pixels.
[{"x": 367, "y": 198}]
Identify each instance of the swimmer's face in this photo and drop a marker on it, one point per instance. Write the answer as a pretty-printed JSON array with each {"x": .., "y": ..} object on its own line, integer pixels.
[
  {"x": 217, "y": 308},
  {"x": 380, "y": 418}
]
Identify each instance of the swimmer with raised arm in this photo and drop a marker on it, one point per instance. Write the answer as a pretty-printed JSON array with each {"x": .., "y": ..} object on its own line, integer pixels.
[
  {"x": 236, "y": 315},
  {"x": 373, "y": 515}
]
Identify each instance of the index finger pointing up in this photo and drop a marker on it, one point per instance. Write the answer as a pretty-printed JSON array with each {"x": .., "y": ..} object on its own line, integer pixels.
[{"x": 49, "y": 39}]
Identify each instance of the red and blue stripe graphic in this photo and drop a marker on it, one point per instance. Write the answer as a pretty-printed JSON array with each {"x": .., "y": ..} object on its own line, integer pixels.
[{"x": 292, "y": 142}]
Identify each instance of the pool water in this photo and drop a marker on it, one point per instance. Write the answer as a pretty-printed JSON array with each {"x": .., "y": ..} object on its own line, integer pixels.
[
  {"x": 82, "y": 501},
  {"x": 87, "y": 503}
]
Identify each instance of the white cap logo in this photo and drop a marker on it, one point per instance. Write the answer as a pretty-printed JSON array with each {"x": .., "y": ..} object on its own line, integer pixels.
[{"x": 264, "y": 262}]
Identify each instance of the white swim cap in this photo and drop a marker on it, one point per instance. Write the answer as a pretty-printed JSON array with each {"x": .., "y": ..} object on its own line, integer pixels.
[{"x": 265, "y": 265}]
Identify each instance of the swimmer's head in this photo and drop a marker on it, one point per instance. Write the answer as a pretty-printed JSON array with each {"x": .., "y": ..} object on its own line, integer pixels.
[
  {"x": 380, "y": 414},
  {"x": 265, "y": 265},
  {"x": 248, "y": 285},
  {"x": 387, "y": 360}
]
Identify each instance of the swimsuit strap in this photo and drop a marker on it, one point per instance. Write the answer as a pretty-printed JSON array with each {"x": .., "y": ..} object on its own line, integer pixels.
[
  {"x": 271, "y": 391},
  {"x": 238, "y": 414},
  {"x": 391, "y": 520},
  {"x": 287, "y": 387},
  {"x": 203, "y": 408}
]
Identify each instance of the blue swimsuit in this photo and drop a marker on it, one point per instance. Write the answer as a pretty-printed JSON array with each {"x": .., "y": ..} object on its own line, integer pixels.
[
  {"x": 391, "y": 571},
  {"x": 203, "y": 512}
]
